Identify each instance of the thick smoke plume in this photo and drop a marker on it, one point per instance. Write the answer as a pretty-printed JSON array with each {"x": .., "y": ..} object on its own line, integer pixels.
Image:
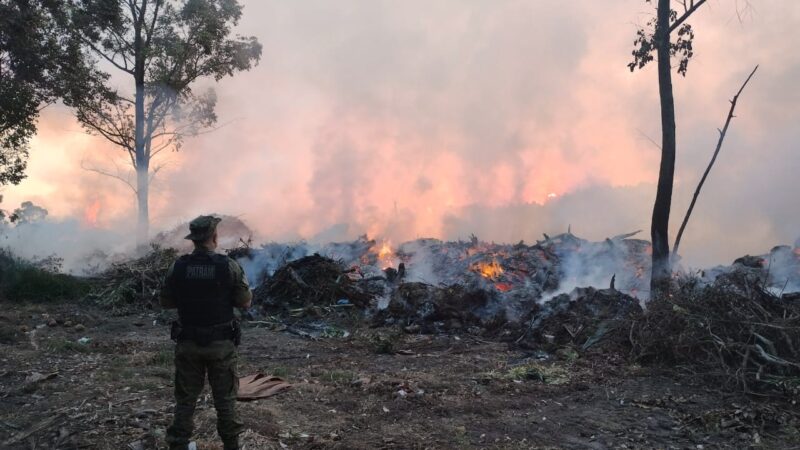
[{"x": 503, "y": 119}]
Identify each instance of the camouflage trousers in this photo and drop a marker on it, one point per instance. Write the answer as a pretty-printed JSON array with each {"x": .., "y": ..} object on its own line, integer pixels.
[{"x": 192, "y": 363}]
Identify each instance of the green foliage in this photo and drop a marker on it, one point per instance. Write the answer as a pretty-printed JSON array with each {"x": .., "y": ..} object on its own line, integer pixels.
[
  {"x": 27, "y": 213},
  {"x": 22, "y": 280},
  {"x": 646, "y": 42},
  {"x": 161, "y": 48},
  {"x": 164, "y": 46},
  {"x": 40, "y": 62}
]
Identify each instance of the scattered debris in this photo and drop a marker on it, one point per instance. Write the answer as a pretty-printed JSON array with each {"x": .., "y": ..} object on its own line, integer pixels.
[{"x": 36, "y": 428}]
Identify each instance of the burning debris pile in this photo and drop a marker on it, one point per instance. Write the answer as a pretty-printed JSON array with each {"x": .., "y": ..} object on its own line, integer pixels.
[
  {"x": 309, "y": 281},
  {"x": 583, "y": 319},
  {"x": 778, "y": 270},
  {"x": 432, "y": 309},
  {"x": 434, "y": 285}
]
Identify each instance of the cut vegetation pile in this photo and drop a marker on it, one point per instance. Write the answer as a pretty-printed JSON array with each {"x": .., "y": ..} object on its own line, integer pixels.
[
  {"x": 733, "y": 330},
  {"x": 136, "y": 282}
]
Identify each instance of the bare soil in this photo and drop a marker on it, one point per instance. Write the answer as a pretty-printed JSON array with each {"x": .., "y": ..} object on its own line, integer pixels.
[{"x": 438, "y": 392}]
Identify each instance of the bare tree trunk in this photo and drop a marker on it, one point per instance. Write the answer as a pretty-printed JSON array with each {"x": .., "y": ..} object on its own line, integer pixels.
[
  {"x": 659, "y": 231},
  {"x": 710, "y": 164},
  {"x": 142, "y": 196},
  {"x": 142, "y": 162}
]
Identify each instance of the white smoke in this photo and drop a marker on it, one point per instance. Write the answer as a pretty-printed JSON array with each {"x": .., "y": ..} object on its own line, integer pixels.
[{"x": 83, "y": 250}]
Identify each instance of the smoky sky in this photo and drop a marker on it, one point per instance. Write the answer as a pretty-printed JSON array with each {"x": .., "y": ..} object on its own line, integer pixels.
[{"x": 506, "y": 119}]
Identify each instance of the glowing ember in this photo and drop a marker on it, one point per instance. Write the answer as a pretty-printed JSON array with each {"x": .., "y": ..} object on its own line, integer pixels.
[
  {"x": 490, "y": 270},
  {"x": 503, "y": 287},
  {"x": 552, "y": 195},
  {"x": 91, "y": 212}
]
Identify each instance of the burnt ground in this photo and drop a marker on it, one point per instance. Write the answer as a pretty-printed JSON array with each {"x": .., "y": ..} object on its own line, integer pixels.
[{"x": 439, "y": 392}]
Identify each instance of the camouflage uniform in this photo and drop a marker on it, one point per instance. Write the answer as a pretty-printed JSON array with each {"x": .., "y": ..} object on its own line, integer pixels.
[{"x": 205, "y": 309}]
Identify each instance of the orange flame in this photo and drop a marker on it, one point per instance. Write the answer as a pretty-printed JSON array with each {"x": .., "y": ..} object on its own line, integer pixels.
[
  {"x": 91, "y": 212},
  {"x": 385, "y": 254},
  {"x": 385, "y": 251},
  {"x": 490, "y": 270}
]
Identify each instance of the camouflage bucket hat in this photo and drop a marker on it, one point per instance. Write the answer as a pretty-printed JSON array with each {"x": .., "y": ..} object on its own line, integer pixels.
[{"x": 202, "y": 228}]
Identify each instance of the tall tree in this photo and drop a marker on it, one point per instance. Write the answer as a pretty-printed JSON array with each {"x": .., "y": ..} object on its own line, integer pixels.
[
  {"x": 666, "y": 22},
  {"x": 40, "y": 62},
  {"x": 162, "y": 48}
]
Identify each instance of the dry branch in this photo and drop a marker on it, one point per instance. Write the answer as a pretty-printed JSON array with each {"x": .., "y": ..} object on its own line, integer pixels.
[{"x": 710, "y": 164}]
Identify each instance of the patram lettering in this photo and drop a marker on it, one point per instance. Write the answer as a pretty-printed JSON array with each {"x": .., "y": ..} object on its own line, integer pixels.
[{"x": 201, "y": 272}]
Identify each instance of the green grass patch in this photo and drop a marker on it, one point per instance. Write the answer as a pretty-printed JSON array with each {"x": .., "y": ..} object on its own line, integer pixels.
[
  {"x": 280, "y": 371},
  {"x": 547, "y": 374},
  {"x": 338, "y": 376},
  {"x": 22, "y": 280},
  {"x": 384, "y": 343},
  {"x": 118, "y": 368},
  {"x": 162, "y": 373},
  {"x": 162, "y": 358},
  {"x": 60, "y": 345}
]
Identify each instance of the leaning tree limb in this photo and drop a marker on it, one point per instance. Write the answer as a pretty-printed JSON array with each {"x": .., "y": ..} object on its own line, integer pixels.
[{"x": 710, "y": 164}]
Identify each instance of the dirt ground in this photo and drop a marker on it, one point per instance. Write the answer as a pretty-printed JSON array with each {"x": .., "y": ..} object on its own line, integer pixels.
[{"x": 358, "y": 391}]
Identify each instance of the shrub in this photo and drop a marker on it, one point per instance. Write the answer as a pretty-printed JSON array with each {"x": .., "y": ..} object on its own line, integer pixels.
[{"x": 22, "y": 280}]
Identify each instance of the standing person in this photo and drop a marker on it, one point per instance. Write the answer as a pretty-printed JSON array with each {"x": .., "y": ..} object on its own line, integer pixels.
[{"x": 205, "y": 287}]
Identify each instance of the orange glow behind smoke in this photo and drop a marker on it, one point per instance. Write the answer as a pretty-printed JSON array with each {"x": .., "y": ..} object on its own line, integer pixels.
[
  {"x": 490, "y": 270},
  {"x": 91, "y": 212}
]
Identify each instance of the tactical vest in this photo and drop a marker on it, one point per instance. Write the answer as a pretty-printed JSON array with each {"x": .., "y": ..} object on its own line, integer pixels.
[{"x": 201, "y": 283}]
